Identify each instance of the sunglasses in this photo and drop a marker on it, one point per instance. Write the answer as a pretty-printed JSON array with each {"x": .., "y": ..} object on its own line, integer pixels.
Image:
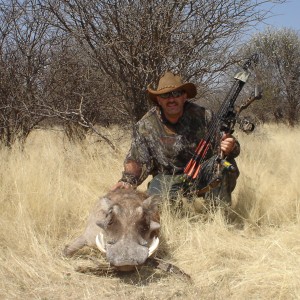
[{"x": 173, "y": 94}]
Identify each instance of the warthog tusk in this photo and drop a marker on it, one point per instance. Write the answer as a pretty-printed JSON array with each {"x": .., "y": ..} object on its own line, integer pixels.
[
  {"x": 153, "y": 246},
  {"x": 100, "y": 242}
]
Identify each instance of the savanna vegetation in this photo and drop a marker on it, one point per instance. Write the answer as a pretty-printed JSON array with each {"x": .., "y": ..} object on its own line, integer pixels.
[
  {"x": 80, "y": 64},
  {"x": 48, "y": 188}
]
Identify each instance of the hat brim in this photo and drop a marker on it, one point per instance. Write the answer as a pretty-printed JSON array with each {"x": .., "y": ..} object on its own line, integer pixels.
[{"x": 188, "y": 87}]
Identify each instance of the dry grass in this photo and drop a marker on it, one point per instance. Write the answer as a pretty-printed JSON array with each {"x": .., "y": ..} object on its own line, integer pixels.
[{"x": 48, "y": 189}]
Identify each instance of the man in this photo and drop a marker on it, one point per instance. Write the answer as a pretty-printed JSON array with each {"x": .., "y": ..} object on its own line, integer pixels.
[{"x": 165, "y": 139}]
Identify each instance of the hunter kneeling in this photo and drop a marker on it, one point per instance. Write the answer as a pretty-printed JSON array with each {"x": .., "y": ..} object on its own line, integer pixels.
[{"x": 165, "y": 139}]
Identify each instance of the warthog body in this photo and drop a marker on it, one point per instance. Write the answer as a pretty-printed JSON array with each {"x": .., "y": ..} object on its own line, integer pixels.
[{"x": 124, "y": 225}]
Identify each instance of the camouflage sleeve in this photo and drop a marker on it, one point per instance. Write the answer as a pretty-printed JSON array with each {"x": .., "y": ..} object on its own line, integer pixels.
[{"x": 138, "y": 162}]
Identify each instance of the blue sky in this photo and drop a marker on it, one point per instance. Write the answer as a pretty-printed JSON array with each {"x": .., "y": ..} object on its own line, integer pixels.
[{"x": 284, "y": 15}]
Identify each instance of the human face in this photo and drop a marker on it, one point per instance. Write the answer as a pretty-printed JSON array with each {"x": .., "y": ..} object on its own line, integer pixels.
[{"x": 172, "y": 104}]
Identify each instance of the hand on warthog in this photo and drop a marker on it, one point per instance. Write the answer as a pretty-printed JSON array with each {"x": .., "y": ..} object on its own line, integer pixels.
[
  {"x": 132, "y": 170},
  {"x": 122, "y": 185}
]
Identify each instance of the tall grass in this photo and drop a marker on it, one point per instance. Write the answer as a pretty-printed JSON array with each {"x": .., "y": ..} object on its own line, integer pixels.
[
  {"x": 48, "y": 189},
  {"x": 268, "y": 189}
]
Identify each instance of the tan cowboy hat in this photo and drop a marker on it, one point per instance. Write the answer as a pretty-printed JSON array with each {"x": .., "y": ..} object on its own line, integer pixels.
[{"x": 170, "y": 82}]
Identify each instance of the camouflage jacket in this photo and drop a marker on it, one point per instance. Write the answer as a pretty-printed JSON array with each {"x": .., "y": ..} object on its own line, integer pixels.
[{"x": 159, "y": 146}]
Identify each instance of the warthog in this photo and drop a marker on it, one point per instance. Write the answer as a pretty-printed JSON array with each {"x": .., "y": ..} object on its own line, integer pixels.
[{"x": 124, "y": 225}]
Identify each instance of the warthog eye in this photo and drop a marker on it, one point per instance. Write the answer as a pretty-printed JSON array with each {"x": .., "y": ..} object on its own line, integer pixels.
[
  {"x": 111, "y": 221},
  {"x": 110, "y": 217},
  {"x": 144, "y": 228},
  {"x": 105, "y": 223}
]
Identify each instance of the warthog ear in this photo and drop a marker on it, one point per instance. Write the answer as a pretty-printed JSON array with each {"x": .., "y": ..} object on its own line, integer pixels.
[
  {"x": 152, "y": 202},
  {"x": 105, "y": 206}
]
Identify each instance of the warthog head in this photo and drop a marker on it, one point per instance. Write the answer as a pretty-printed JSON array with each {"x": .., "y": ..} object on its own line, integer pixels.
[
  {"x": 124, "y": 225},
  {"x": 129, "y": 228}
]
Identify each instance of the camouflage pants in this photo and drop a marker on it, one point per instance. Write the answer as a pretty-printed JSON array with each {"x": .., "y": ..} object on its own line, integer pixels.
[{"x": 174, "y": 185}]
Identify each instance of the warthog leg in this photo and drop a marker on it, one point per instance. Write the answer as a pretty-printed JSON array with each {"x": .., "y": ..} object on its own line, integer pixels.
[
  {"x": 167, "y": 267},
  {"x": 76, "y": 245}
]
